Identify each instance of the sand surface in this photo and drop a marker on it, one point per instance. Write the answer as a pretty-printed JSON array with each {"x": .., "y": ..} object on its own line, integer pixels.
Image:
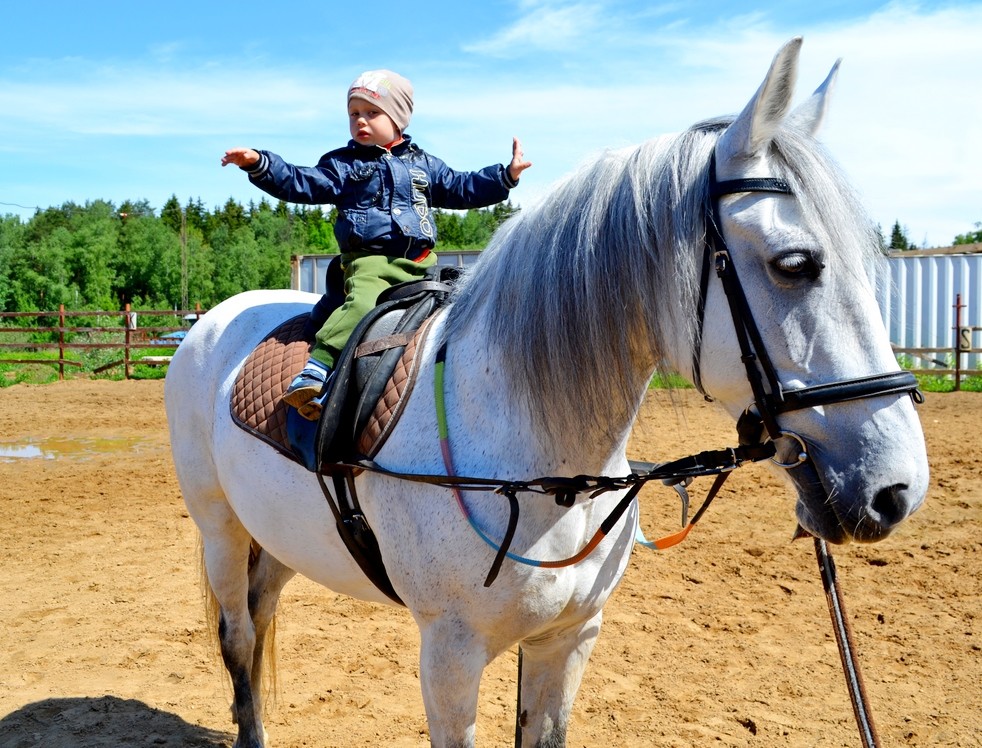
[{"x": 722, "y": 641}]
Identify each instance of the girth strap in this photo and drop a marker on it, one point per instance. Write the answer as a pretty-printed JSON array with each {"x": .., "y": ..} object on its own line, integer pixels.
[{"x": 354, "y": 530}]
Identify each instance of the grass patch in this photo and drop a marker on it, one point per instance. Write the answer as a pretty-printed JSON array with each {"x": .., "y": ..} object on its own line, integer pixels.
[
  {"x": 941, "y": 382},
  {"x": 669, "y": 381}
]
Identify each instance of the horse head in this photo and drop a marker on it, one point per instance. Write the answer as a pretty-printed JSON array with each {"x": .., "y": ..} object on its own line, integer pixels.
[{"x": 804, "y": 254}]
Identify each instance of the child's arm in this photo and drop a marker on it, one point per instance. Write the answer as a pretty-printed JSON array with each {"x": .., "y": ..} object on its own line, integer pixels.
[
  {"x": 241, "y": 157},
  {"x": 518, "y": 163}
]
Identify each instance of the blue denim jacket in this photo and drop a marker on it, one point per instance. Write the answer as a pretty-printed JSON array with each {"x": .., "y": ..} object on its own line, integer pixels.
[{"x": 383, "y": 197}]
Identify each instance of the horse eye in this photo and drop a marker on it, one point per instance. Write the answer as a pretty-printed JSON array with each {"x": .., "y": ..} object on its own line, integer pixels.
[{"x": 797, "y": 265}]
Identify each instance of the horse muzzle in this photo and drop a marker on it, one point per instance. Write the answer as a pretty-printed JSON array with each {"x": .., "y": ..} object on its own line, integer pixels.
[{"x": 863, "y": 501}]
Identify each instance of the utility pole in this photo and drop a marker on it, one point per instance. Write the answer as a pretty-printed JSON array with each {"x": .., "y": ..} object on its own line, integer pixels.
[{"x": 184, "y": 259}]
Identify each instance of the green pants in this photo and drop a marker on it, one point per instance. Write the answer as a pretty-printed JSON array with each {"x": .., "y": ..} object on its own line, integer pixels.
[{"x": 365, "y": 277}]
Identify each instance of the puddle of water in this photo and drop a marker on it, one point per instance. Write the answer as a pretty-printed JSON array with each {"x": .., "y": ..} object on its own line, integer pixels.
[
  {"x": 65, "y": 448},
  {"x": 22, "y": 451}
]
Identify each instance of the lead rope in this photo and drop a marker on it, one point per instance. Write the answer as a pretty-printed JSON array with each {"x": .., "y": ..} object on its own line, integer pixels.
[{"x": 847, "y": 649}]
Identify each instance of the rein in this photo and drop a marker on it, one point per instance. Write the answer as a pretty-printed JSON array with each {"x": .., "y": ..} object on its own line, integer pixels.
[
  {"x": 564, "y": 490},
  {"x": 847, "y": 649}
]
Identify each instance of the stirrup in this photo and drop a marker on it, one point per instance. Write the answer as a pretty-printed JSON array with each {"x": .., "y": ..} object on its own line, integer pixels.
[
  {"x": 311, "y": 410},
  {"x": 306, "y": 386}
]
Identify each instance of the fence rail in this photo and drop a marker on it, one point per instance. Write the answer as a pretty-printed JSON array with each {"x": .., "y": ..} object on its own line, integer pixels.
[
  {"x": 134, "y": 337},
  {"x": 131, "y": 337}
]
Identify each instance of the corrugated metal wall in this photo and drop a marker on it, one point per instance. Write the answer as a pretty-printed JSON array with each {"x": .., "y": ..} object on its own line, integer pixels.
[
  {"x": 309, "y": 271},
  {"x": 917, "y": 299}
]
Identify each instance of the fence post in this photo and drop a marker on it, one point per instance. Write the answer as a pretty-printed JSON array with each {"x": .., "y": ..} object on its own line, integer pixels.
[
  {"x": 958, "y": 349},
  {"x": 128, "y": 322},
  {"x": 61, "y": 342}
]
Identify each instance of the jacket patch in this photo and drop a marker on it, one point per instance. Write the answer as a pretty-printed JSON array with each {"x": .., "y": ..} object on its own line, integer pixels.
[{"x": 421, "y": 206}]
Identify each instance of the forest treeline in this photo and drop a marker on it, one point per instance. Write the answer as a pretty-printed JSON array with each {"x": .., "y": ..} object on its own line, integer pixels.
[{"x": 100, "y": 256}]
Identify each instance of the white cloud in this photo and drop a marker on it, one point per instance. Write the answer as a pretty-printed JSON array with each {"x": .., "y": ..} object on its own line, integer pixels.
[
  {"x": 544, "y": 26},
  {"x": 903, "y": 123}
]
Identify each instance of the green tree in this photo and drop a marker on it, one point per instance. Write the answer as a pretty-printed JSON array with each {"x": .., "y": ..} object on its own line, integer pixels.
[
  {"x": 502, "y": 212},
  {"x": 318, "y": 229},
  {"x": 11, "y": 241},
  {"x": 148, "y": 263},
  {"x": 477, "y": 228},
  {"x": 91, "y": 254},
  {"x": 172, "y": 214},
  {"x": 201, "y": 270},
  {"x": 449, "y": 229},
  {"x": 37, "y": 272},
  {"x": 971, "y": 237},
  {"x": 898, "y": 238},
  {"x": 275, "y": 240}
]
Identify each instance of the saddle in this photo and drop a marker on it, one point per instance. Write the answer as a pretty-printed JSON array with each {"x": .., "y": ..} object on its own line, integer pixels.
[{"x": 372, "y": 380}]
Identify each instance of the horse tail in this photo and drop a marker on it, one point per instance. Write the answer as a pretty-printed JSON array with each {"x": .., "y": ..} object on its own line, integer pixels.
[{"x": 212, "y": 608}]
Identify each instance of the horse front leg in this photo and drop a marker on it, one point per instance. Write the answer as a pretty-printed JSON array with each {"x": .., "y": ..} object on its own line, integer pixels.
[
  {"x": 452, "y": 659},
  {"x": 552, "y": 668}
]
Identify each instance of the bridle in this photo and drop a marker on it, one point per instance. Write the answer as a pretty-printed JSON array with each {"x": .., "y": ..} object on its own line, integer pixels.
[
  {"x": 771, "y": 400},
  {"x": 770, "y": 397}
]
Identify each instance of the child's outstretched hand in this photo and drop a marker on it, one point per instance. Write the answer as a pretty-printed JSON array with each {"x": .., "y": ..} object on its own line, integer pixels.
[
  {"x": 518, "y": 163},
  {"x": 242, "y": 157}
]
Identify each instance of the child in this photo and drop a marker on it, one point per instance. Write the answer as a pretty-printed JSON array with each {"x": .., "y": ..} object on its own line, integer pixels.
[{"x": 383, "y": 186}]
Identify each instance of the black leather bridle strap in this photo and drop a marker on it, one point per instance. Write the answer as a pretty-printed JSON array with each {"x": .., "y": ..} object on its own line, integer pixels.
[
  {"x": 894, "y": 383},
  {"x": 715, "y": 243},
  {"x": 750, "y": 184},
  {"x": 753, "y": 352},
  {"x": 769, "y": 397}
]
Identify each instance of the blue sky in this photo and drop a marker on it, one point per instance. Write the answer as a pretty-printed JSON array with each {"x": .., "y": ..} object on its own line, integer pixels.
[{"x": 117, "y": 101}]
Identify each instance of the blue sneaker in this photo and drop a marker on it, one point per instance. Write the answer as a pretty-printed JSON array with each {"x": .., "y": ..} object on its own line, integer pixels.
[{"x": 306, "y": 388}]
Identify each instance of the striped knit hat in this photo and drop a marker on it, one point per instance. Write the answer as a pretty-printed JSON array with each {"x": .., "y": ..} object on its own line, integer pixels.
[{"x": 389, "y": 91}]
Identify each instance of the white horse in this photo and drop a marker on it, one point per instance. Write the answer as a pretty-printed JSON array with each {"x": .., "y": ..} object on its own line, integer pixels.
[{"x": 551, "y": 341}]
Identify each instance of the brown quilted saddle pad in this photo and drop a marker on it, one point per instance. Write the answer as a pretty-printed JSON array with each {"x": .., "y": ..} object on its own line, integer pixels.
[{"x": 255, "y": 403}]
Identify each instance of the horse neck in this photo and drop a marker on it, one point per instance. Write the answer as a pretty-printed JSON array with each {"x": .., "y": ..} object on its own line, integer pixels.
[
  {"x": 577, "y": 298},
  {"x": 505, "y": 425},
  {"x": 568, "y": 411}
]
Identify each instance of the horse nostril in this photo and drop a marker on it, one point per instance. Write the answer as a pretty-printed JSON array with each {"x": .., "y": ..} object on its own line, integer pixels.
[{"x": 890, "y": 505}]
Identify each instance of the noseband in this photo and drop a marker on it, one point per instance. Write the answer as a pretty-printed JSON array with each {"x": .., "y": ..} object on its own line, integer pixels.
[{"x": 770, "y": 397}]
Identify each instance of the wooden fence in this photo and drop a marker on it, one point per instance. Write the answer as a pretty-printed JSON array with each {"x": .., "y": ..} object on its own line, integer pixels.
[
  {"x": 126, "y": 337},
  {"x": 132, "y": 337},
  {"x": 964, "y": 339}
]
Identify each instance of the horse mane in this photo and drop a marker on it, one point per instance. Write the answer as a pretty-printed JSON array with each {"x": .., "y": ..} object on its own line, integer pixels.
[{"x": 584, "y": 293}]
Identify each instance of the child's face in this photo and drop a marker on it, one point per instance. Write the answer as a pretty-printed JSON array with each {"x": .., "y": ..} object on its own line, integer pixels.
[{"x": 369, "y": 125}]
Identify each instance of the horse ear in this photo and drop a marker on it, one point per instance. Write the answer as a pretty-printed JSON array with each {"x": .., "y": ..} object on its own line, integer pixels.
[
  {"x": 755, "y": 126},
  {"x": 810, "y": 115}
]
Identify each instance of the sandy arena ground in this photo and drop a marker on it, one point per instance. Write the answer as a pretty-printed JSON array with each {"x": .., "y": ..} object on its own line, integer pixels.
[{"x": 722, "y": 641}]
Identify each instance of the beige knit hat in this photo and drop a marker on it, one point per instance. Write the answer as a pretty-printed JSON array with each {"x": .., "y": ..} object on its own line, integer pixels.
[{"x": 392, "y": 93}]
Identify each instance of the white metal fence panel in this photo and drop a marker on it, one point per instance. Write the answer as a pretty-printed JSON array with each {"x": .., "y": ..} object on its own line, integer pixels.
[
  {"x": 917, "y": 300},
  {"x": 309, "y": 271}
]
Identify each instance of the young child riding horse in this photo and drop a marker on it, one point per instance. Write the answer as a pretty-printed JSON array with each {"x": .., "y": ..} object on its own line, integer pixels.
[{"x": 383, "y": 186}]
